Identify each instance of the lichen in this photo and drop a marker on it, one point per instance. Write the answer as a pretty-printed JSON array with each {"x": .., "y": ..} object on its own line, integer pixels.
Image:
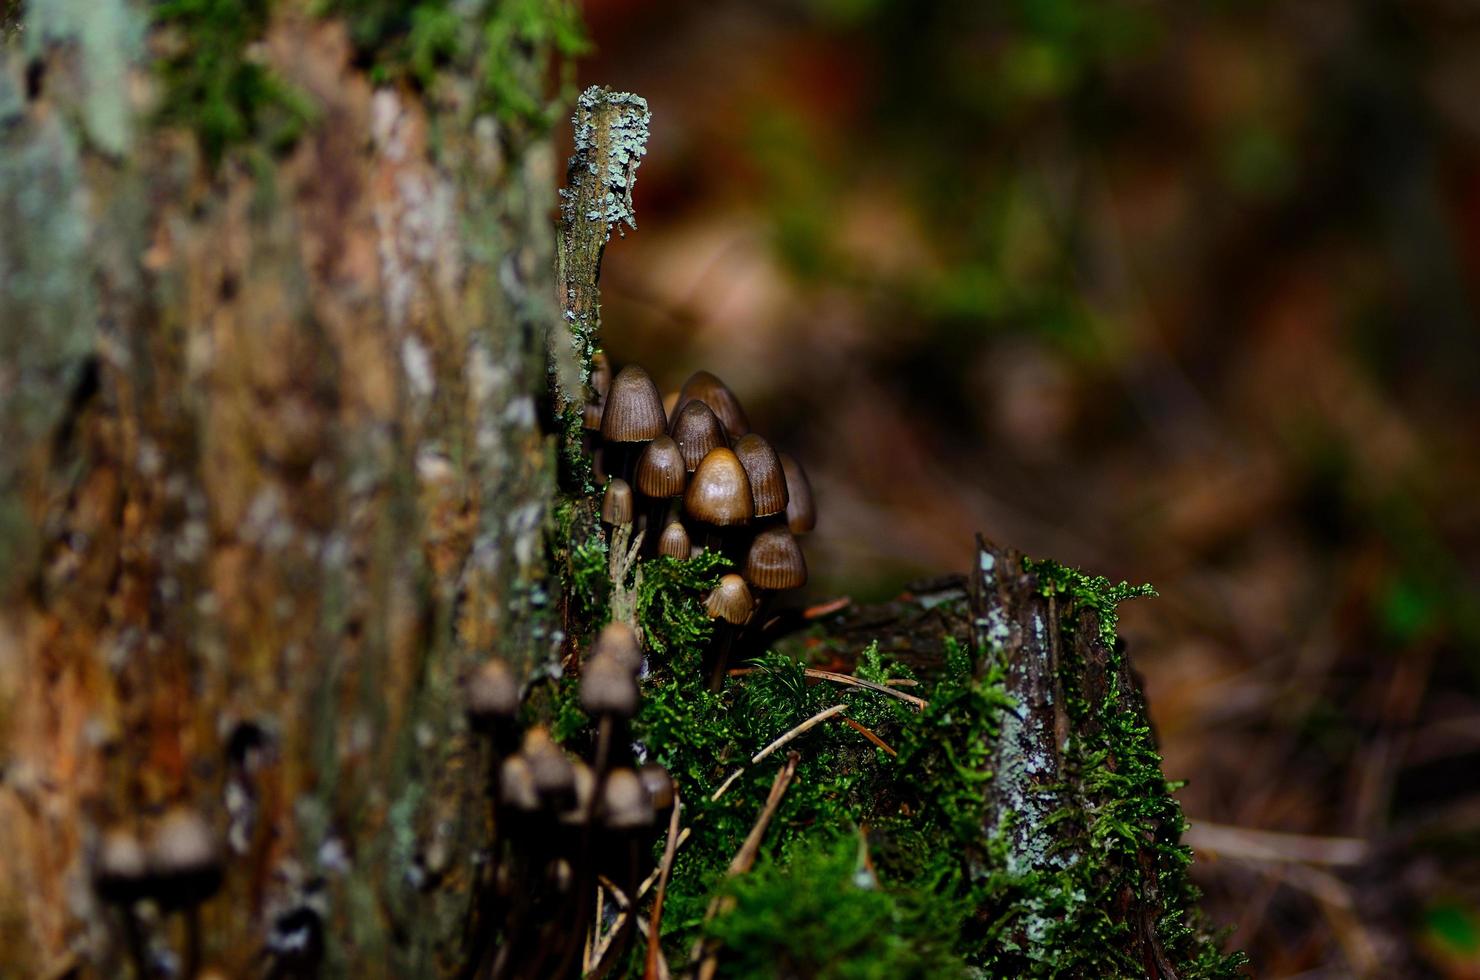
[
  {"x": 109, "y": 35},
  {"x": 611, "y": 162}
]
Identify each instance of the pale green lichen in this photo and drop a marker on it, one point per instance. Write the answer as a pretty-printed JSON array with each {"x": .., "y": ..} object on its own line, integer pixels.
[
  {"x": 614, "y": 163},
  {"x": 109, "y": 36}
]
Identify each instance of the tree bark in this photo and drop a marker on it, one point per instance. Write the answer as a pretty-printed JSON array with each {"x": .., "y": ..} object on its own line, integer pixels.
[{"x": 273, "y": 479}]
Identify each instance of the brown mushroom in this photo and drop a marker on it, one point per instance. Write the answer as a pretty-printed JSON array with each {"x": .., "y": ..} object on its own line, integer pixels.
[
  {"x": 631, "y": 416},
  {"x": 675, "y": 541},
  {"x": 616, "y": 503},
  {"x": 697, "y": 431},
  {"x": 719, "y": 493},
  {"x": 775, "y": 561},
  {"x": 619, "y": 640},
  {"x": 731, "y": 603},
  {"x": 801, "y": 515},
  {"x": 661, "y": 476},
  {"x": 705, "y": 387},
  {"x": 763, "y": 469}
]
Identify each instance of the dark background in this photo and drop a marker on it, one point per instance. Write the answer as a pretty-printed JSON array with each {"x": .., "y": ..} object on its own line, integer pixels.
[{"x": 1178, "y": 292}]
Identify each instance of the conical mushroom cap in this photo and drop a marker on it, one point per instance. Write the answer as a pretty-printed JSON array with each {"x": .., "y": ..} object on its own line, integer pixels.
[
  {"x": 625, "y": 804},
  {"x": 183, "y": 843},
  {"x": 516, "y": 784},
  {"x": 698, "y": 431},
  {"x": 661, "y": 472},
  {"x": 775, "y": 561},
  {"x": 658, "y": 783},
  {"x": 616, "y": 503},
  {"x": 492, "y": 691},
  {"x": 763, "y": 469},
  {"x": 608, "y": 687},
  {"x": 730, "y": 600},
  {"x": 633, "y": 409},
  {"x": 675, "y": 541},
  {"x": 801, "y": 516},
  {"x": 591, "y": 416},
  {"x": 121, "y": 866},
  {"x": 719, "y": 493},
  {"x": 184, "y": 858},
  {"x": 618, "y": 640},
  {"x": 553, "y": 775},
  {"x": 585, "y": 786},
  {"x": 601, "y": 375},
  {"x": 713, "y": 392}
]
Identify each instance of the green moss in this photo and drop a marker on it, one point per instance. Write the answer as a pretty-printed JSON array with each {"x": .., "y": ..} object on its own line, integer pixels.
[
  {"x": 507, "y": 45},
  {"x": 216, "y": 87},
  {"x": 818, "y": 910},
  {"x": 935, "y": 896}
]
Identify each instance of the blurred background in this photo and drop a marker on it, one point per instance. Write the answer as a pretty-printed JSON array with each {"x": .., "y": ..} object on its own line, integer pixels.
[{"x": 1177, "y": 292}]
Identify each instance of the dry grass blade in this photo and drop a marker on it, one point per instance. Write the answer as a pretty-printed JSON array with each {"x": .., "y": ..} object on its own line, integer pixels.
[
  {"x": 1241, "y": 843},
  {"x": 868, "y": 734},
  {"x": 743, "y": 861},
  {"x": 846, "y": 679},
  {"x": 657, "y": 967}
]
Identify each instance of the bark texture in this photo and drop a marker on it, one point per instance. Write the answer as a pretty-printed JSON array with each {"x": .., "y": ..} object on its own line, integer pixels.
[{"x": 273, "y": 479}]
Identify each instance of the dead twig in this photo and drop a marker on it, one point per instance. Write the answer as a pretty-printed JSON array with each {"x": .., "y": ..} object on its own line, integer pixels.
[
  {"x": 1265, "y": 846},
  {"x": 847, "y": 679},
  {"x": 801, "y": 729},
  {"x": 657, "y": 966},
  {"x": 866, "y": 733},
  {"x": 743, "y": 861}
]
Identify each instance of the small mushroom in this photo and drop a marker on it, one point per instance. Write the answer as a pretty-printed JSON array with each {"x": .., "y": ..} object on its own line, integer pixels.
[
  {"x": 121, "y": 869},
  {"x": 625, "y": 803},
  {"x": 730, "y": 601},
  {"x": 661, "y": 476},
  {"x": 775, "y": 561},
  {"x": 601, "y": 376},
  {"x": 619, "y": 640},
  {"x": 763, "y": 469},
  {"x": 616, "y": 503},
  {"x": 516, "y": 789},
  {"x": 801, "y": 516},
  {"x": 675, "y": 541},
  {"x": 719, "y": 494},
  {"x": 609, "y": 687},
  {"x": 705, "y": 387},
  {"x": 184, "y": 858},
  {"x": 491, "y": 697},
  {"x": 631, "y": 416},
  {"x": 697, "y": 431},
  {"x": 659, "y": 785},
  {"x": 553, "y": 775},
  {"x": 732, "y": 604}
]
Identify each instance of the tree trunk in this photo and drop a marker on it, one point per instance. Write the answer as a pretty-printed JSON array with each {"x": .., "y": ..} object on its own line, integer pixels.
[{"x": 273, "y": 476}]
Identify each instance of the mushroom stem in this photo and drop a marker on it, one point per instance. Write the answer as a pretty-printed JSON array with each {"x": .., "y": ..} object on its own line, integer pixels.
[
  {"x": 133, "y": 938},
  {"x": 657, "y": 511},
  {"x": 192, "y": 942},
  {"x": 721, "y": 652}
]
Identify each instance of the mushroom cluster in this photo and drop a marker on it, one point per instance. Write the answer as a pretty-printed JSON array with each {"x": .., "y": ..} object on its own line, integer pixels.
[
  {"x": 563, "y": 822},
  {"x": 693, "y": 477}
]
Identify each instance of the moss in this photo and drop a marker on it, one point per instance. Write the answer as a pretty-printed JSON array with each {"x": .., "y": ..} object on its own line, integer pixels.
[
  {"x": 216, "y": 87},
  {"x": 923, "y": 889},
  {"x": 505, "y": 45},
  {"x": 818, "y": 910}
]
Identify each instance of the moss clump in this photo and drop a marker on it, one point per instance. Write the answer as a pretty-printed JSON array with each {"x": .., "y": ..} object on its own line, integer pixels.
[
  {"x": 216, "y": 88},
  {"x": 818, "y": 910},
  {"x": 883, "y": 865},
  {"x": 506, "y": 45}
]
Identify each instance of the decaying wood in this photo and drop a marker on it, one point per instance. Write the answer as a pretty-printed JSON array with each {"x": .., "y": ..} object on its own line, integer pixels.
[{"x": 273, "y": 479}]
